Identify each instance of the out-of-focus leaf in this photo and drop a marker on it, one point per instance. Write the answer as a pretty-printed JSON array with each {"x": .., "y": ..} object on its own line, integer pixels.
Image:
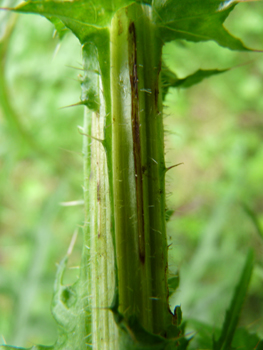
[
  {"x": 251, "y": 214},
  {"x": 6, "y": 106},
  {"x": 195, "y": 20},
  {"x": 232, "y": 314},
  {"x": 203, "y": 336},
  {"x": 244, "y": 340},
  {"x": 260, "y": 345},
  {"x": 34, "y": 347}
]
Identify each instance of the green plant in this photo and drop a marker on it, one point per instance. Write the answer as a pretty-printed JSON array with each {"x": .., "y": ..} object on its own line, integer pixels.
[{"x": 125, "y": 247}]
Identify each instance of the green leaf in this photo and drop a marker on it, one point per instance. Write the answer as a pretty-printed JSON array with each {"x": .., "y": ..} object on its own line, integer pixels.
[
  {"x": 34, "y": 347},
  {"x": 82, "y": 17},
  {"x": 203, "y": 334},
  {"x": 232, "y": 314},
  {"x": 243, "y": 340},
  {"x": 169, "y": 79},
  {"x": 71, "y": 311},
  {"x": 251, "y": 214},
  {"x": 134, "y": 337},
  {"x": 197, "y": 77},
  {"x": 178, "y": 315},
  {"x": 168, "y": 214},
  {"x": 173, "y": 284},
  {"x": 60, "y": 27},
  {"x": 260, "y": 345},
  {"x": 195, "y": 20}
]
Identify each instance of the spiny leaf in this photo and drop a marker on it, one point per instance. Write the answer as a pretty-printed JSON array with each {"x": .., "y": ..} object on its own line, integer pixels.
[
  {"x": 197, "y": 77},
  {"x": 169, "y": 79},
  {"x": 196, "y": 20},
  {"x": 71, "y": 311},
  {"x": 168, "y": 214},
  {"x": 61, "y": 310},
  {"x": 173, "y": 284},
  {"x": 60, "y": 27},
  {"x": 134, "y": 337},
  {"x": 233, "y": 313},
  {"x": 82, "y": 17}
]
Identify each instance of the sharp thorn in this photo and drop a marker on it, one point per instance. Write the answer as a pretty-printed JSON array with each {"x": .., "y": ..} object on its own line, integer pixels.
[
  {"x": 173, "y": 166},
  {"x": 81, "y": 103},
  {"x": 92, "y": 137},
  {"x": 72, "y": 242}
]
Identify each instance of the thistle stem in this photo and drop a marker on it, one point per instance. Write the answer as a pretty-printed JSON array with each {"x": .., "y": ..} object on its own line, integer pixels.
[{"x": 125, "y": 183}]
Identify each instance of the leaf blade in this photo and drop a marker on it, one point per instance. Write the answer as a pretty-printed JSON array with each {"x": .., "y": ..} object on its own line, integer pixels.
[
  {"x": 254, "y": 219},
  {"x": 196, "y": 20},
  {"x": 233, "y": 312},
  {"x": 81, "y": 17},
  {"x": 170, "y": 79}
]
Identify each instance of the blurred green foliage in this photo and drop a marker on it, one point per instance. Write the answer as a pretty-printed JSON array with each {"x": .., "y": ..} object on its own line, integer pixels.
[
  {"x": 39, "y": 169},
  {"x": 214, "y": 128}
]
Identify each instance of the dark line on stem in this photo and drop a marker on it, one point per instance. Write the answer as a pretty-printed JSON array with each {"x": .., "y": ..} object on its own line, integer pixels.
[
  {"x": 98, "y": 191},
  {"x": 136, "y": 139}
]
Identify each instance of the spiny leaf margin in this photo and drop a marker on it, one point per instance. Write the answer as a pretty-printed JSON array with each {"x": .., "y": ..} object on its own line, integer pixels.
[
  {"x": 193, "y": 20},
  {"x": 82, "y": 17},
  {"x": 169, "y": 79},
  {"x": 196, "y": 20},
  {"x": 134, "y": 337}
]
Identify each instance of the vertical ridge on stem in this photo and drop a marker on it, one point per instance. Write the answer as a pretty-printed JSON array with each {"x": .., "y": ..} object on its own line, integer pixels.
[
  {"x": 98, "y": 230},
  {"x": 138, "y": 168}
]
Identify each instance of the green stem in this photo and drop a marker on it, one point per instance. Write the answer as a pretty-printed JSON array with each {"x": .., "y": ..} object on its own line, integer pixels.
[
  {"x": 138, "y": 168},
  {"x": 98, "y": 251},
  {"x": 124, "y": 178}
]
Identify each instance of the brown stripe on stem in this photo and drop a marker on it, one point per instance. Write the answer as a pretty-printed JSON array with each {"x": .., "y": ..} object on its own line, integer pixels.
[{"x": 135, "y": 119}]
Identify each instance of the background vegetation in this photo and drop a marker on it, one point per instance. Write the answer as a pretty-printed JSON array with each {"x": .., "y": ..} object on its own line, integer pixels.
[{"x": 214, "y": 128}]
